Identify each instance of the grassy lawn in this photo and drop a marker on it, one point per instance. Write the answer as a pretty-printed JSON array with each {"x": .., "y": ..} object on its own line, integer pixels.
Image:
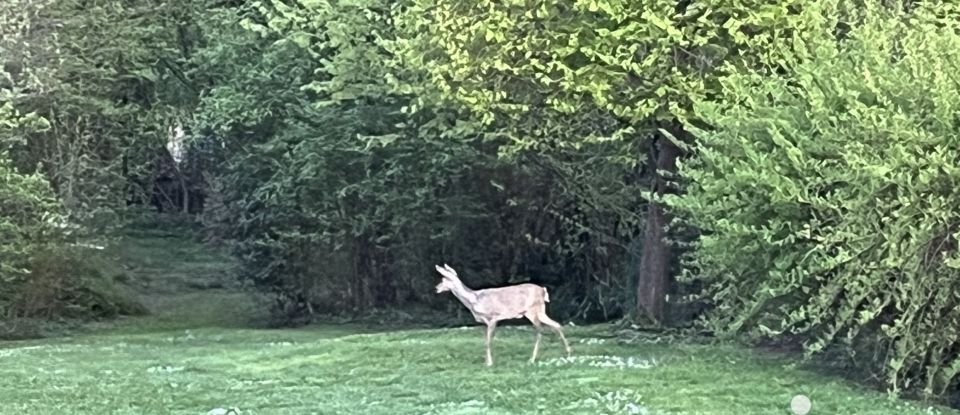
[
  {"x": 336, "y": 370},
  {"x": 194, "y": 354}
]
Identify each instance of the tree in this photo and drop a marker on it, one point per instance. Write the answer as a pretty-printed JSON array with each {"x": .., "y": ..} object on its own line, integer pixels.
[
  {"x": 595, "y": 76},
  {"x": 41, "y": 273},
  {"x": 109, "y": 84}
]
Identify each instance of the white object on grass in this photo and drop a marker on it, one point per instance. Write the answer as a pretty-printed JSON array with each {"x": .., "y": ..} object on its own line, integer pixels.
[{"x": 800, "y": 405}]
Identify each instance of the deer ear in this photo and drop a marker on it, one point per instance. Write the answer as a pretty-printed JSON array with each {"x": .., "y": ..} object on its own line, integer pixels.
[{"x": 447, "y": 272}]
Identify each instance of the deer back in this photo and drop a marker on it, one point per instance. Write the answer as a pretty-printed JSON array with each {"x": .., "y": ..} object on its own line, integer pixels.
[{"x": 510, "y": 302}]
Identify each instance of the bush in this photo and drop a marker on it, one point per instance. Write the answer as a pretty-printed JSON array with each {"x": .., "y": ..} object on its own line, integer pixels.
[
  {"x": 29, "y": 218},
  {"x": 827, "y": 196},
  {"x": 43, "y": 276},
  {"x": 69, "y": 283}
]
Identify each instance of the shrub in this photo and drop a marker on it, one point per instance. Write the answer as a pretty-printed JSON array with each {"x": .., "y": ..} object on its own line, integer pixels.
[
  {"x": 43, "y": 276},
  {"x": 68, "y": 282},
  {"x": 827, "y": 195},
  {"x": 29, "y": 218}
]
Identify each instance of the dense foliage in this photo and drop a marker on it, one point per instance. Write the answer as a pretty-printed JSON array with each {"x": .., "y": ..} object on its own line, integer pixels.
[
  {"x": 27, "y": 226},
  {"x": 62, "y": 124},
  {"x": 342, "y": 186},
  {"x": 604, "y": 78},
  {"x": 827, "y": 195}
]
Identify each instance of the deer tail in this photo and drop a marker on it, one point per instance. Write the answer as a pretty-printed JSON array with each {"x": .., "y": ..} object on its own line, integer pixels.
[{"x": 546, "y": 295}]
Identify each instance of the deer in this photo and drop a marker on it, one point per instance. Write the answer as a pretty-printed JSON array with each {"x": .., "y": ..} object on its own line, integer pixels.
[{"x": 492, "y": 305}]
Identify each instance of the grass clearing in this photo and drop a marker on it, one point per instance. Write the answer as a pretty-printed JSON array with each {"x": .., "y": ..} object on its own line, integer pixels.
[
  {"x": 197, "y": 352},
  {"x": 343, "y": 369}
]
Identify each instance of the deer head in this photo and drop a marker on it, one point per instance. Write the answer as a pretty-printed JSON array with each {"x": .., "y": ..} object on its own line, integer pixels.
[{"x": 448, "y": 280}]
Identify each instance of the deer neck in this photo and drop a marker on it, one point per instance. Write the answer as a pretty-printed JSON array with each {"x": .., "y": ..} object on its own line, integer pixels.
[{"x": 463, "y": 293}]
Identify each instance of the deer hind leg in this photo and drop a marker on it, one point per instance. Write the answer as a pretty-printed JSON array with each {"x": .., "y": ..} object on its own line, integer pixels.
[
  {"x": 491, "y": 327},
  {"x": 556, "y": 327},
  {"x": 539, "y": 329}
]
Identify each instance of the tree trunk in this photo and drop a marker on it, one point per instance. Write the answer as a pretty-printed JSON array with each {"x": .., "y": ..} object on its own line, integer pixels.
[
  {"x": 654, "y": 278},
  {"x": 185, "y": 201}
]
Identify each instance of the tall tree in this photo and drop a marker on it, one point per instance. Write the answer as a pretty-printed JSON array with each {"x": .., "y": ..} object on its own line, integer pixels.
[{"x": 588, "y": 74}]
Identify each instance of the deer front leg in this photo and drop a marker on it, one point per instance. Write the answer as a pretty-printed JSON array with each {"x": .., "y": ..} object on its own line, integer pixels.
[
  {"x": 539, "y": 329},
  {"x": 536, "y": 346},
  {"x": 491, "y": 327},
  {"x": 556, "y": 327}
]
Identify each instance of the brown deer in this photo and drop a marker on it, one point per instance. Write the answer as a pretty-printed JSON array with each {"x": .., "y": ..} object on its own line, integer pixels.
[{"x": 491, "y": 305}]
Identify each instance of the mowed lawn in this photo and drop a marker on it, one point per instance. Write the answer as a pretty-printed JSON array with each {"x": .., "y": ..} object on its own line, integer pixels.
[
  {"x": 196, "y": 352},
  {"x": 339, "y": 370}
]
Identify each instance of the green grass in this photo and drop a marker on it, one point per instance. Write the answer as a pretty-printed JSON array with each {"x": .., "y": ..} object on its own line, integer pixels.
[
  {"x": 337, "y": 370},
  {"x": 194, "y": 354}
]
